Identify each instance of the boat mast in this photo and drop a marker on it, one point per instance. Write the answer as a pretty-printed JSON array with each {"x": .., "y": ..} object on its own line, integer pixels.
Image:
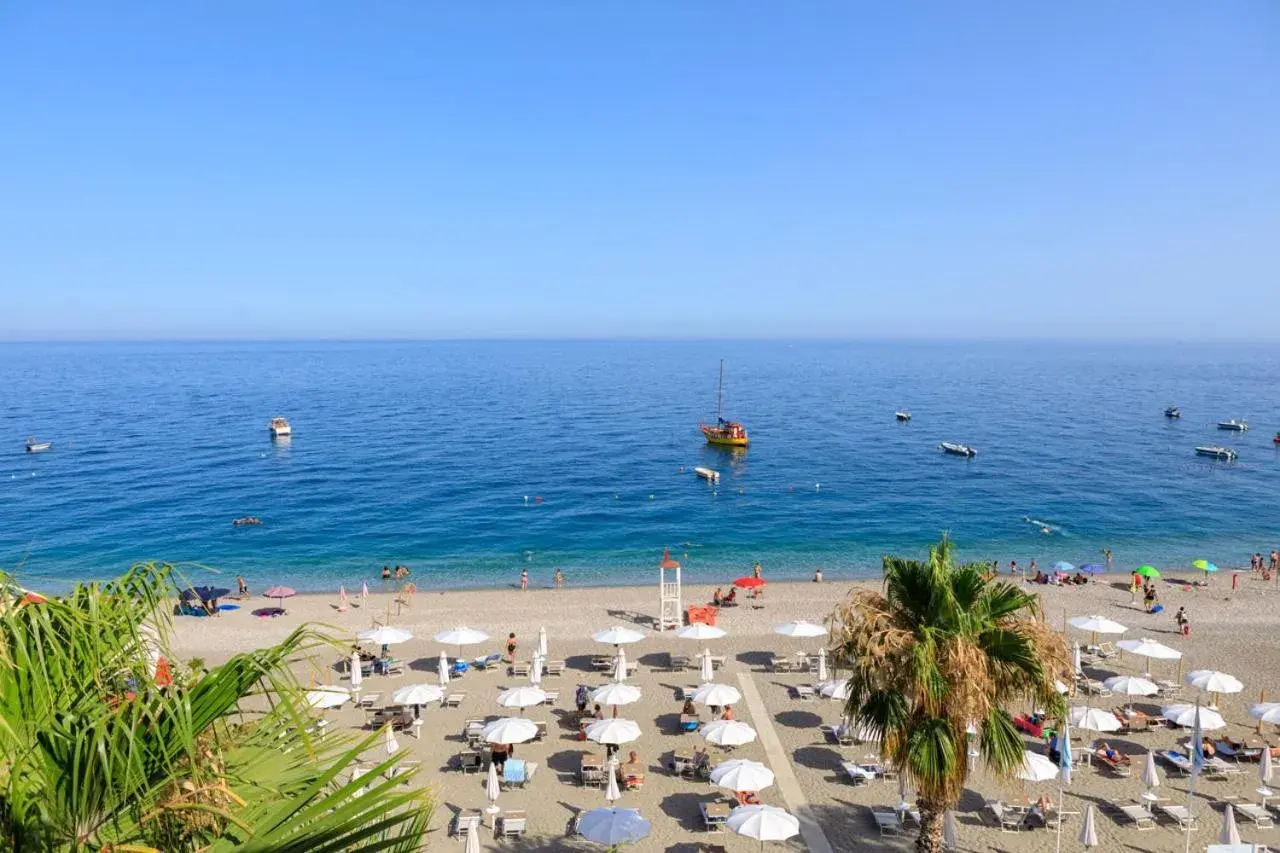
[{"x": 720, "y": 395}]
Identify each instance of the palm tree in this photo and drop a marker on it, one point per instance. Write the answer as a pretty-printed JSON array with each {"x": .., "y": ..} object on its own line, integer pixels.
[
  {"x": 940, "y": 648},
  {"x": 96, "y": 756}
]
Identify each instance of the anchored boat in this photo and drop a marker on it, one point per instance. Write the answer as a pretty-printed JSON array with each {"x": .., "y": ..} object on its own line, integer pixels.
[
  {"x": 34, "y": 446},
  {"x": 1217, "y": 453},
  {"x": 280, "y": 428},
  {"x": 902, "y": 416},
  {"x": 958, "y": 449},
  {"x": 1172, "y": 412},
  {"x": 708, "y": 474},
  {"x": 724, "y": 433},
  {"x": 1233, "y": 425}
]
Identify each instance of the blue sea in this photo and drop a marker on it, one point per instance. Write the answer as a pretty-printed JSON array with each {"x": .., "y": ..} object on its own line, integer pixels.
[{"x": 468, "y": 461}]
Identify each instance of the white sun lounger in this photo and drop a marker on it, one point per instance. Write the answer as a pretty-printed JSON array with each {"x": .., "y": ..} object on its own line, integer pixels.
[{"x": 1139, "y": 816}]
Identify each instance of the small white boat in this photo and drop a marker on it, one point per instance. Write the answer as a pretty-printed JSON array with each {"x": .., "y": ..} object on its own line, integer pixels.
[
  {"x": 1172, "y": 412},
  {"x": 1233, "y": 425},
  {"x": 34, "y": 446},
  {"x": 958, "y": 449},
  {"x": 708, "y": 474},
  {"x": 902, "y": 416},
  {"x": 1217, "y": 453},
  {"x": 280, "y": 428}
]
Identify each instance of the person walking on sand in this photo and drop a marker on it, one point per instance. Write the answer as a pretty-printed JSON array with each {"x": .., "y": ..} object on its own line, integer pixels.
[
  {"x": 524, "y": 579},
  {"x": 511, "y": 647}
]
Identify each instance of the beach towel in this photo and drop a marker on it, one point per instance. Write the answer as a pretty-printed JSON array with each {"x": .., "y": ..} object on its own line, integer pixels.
[{"x": 513, "y": 771}]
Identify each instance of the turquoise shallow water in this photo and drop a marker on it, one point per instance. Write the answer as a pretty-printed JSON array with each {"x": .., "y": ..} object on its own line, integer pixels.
[{"x": 423, "y": 453}]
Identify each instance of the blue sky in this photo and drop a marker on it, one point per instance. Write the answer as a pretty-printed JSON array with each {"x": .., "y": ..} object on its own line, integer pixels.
[{"x": 666, "y": 168}]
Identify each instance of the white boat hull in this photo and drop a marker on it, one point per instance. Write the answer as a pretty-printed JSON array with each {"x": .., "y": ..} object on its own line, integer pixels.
[{"x": 708, "y": 474}]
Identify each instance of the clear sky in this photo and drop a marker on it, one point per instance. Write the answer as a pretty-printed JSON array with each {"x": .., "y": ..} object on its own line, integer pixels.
[{"x": 657, "y": 168}]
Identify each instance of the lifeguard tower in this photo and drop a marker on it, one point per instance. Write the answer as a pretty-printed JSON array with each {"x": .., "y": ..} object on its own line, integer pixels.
[{"x": 671, "y": 607}]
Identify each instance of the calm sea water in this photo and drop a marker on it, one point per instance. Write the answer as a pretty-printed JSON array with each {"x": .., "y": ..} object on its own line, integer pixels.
[{"x": 424, "y": 453}]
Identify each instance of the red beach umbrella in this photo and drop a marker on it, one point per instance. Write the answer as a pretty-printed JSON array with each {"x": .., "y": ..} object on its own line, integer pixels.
[{"x": 749, "y": 583}]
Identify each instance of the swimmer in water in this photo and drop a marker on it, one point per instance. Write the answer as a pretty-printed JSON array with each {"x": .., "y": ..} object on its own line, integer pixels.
[{"x": 1044, "y": 530}]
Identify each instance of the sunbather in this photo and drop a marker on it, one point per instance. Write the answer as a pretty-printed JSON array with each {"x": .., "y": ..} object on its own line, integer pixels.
[
  {"x": 688, "y": 710},
  {"x": 747, "y": 798}
]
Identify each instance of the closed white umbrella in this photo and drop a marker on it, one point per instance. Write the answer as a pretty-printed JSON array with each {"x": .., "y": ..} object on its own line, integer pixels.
[
  {"x": 800, "y": 629},
  {"x": 728, "y": 733},
  {"x": 1093, "y": 719},
  {"x": 837, "y": 689},
  {"x": 525, "y": 696},
  {"x": 492, "y": 789},
  {"x": 1150, "y": 776},
  {"x": 1264, "y": 767},
  {"x": 417, "y": 695},
  {"x": 618, "y": 635},
  {"x": 1035, "y": 768},
  {"x": 390, "y": 742},
  {"x": 1266, "y": 712},
  {"x": 473, "y": 840},
  {"x": 1185, "y": 715},
  {"x": 717, "y": 695},
  {"x": 763, "y": 823},
  {"x": 442, "y": 670},
  {"x": 385, "y": 635},
  {"x": 508, "y": 730},
  {"x": 611, "y": 792},
  {"x": 616, "y": 693},
  {"x": 620, "y": 672},
  {"x": 700, "y": 631},
  {"x": 613, "y": 826},
  {"x": 949, "y": 830},
  {"x": 740, "y": 774},
  {"x": 327, "y": 697},
  {"x": 708, "y": 667},
  {"x": 357, "y": 673},
  {"x": 535, "y": 671},
  {"x": 1088, "y": 832},
  {"x": 822, "y": 664},
  {"x": 542, "y": 641},
  {"x": 1131, "y": 685},
  {"x": 1229, "y": 834},
  {"x": 1075, "y": 659},
  {"x": 613, "y": 730}
]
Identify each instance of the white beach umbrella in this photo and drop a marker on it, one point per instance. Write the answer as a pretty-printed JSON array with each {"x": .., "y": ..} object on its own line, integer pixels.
[
  {"x": 613, "y": 730},
  {"x": 492, "y": 789},
  {"x": 525, "y": 696},
  {"x": 1185, "y": 715},
  {"x": 835, "y": 689},
  {"x": 510, "y": 730},
  {"x": 1060, "y": 687},
  {"x": 1264, "y": 767},
  {"x": 1149, "y": 649},
  {"x": 1212, "y": 681},
  {"x": 1075, "y": 659},
  {"x": 613, "y": 826},
  {"x": 473, "y": 840},
  {"x": 1266, "y": 712},
  {"x": 728, "y": 733},
  {"x": 611, "y": 792},
  {"x": 800, "y": 629},
  {"x": 718, "y": 695},
  {"x": 1150, "y": 776},
  {"x": 949, "y": 830},
  {"x": 417, "y": 695},
  {"x": 327, "y": 697},
  {"x": 357, "y": 673},
  {"x": 1035, "y": 768},
  {"x": 763, "y": 823},
  {"x": 1131, "y": 685},
  {"x": 542, "y": 641},
  {"x": 620, "y": 671},
  {"x": 740, "y": 774},
  {"x": 708, "y": 667},
  {"x": 1088, "y": 832},
  {"x": 1093, "y": 719},
  {"x": 700, "y": 631},
  {"x": 618, "y": 635},
  {"x": 385, "y": 635},
  {"x": 1229, "y": 834},
  {"x": 390, "y": 742},
  {"x": 1097, "y": 624},
  {"x": 442, "y": 670},
  {"x": 356, "y": 772},
  {"x": 460, "y": 635},
  {"x": 822, "y": 664},
  {"x": 616, "y": 693}
]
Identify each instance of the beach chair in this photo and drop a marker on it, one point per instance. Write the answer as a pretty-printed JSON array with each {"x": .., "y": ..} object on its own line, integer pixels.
[
  {"x": 553, "y": 668},
  {"x": 366, "y": 701},
  {"x": 857, "y": 773},
  {"x": 887, "y": 821},
  {"x": 777, "y": 664},
  {"x": 520, "y": 669},
  {"x": 714, "y": 815},
  {"x": 840, "y": 736},
  {"x": 453, "y": 700},
  {"x": 602, "y": 663},
  {"x": 591, "y": 770},
  {"x": 1106, "y": 650},
  {"x": 1132, "y": 723},
  {"x": 1118, "y": 765},
  {"x": 1255, "y": 813},
  {"x": 683, "y": 765},
  {"x": 1176, "y": 760},
  {"x": 1180, "y": 815},
  {"x": 553, "y": 696},
  {"x": 513, "y": 824},
  {"x": 675, "y": 663},
  {"x": 462, "y": 822},
  {"x": 470, "y": 761},
  {"x": 1168, "y": 689},
  {"x": 804, "y": 691},
  {"x": 540, "y": 730},
  {"x": 1008, "y": 818},
  {"x": 1220, "y": 768},
  {"x": 404, "y": 771},
  {"x": 1135, "y": 814},
  {"x": 473, "y": 732}
]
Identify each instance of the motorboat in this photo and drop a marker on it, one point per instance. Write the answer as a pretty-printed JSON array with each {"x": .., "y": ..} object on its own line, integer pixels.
[
  {"x": 1276, "y": 440},
  {"x": 723, "y": 433},
  {"x": 958, "y": 449},
  {"x": 1172, "y": 412},
  {"x": 34, "y": 446},
  {"x": 280, "y": 428},
  {"x": 708, "y": 474},
  {"x": 1233, "y": 425},
  {"x": 1217, "y": 453},
  {"x": 902, "y": 416}
]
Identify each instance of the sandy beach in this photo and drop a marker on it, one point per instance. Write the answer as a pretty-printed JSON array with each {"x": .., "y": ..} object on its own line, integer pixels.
[{"x": 1231, "y": 631}]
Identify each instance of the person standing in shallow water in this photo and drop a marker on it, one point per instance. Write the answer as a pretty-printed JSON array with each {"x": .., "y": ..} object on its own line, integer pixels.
[
  {"x": 524, "y": 579},
  {"x": 559, "y": 579}
]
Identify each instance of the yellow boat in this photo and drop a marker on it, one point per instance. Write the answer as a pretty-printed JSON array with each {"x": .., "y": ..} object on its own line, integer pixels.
[{"x": 724, "y": 433}]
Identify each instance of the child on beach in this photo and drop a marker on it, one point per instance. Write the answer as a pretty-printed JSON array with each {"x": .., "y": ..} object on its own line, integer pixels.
[
  {"x": 511, "y": 647},
  {"x": 1184, "y": 624}
]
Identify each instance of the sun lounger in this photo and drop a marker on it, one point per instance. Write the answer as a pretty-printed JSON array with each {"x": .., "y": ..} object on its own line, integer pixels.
[
  {"x": 518, "y": 773},
  {"x": 540, "y": 730},
  {"x": 453, "y": 700},
  {"x": 804, "y": 691},
  {"x": 591, "y": 770},
  {"x": 404, "y": 771},
  {"x": 1106, "y": 650},
  {"x": 1008, "y": 818},
  {"x": 487, "y": 661},
  {"x": 1168, "y": 688},
  {"x": 1176, "y": 760},
  {"x": 1138, "y": 815},
  {"x": 1023, "y": 723},
  {"x": 887, "y": 820},
  {"x": 1118, "y": 765},
  {"x": 714, "y": 815},
  {"x": 463, "y": 821},
  {"x": 602, "y": 663},
  {"x": 470, "y": 761},
  {"x": 676, "y": 663},
  {"x": 838, "y": 735},
  {"x": 1092, "y": 686},
  {"x": 1255, "y": 813},
  {"x": 520, "y": 669},
  {"x": 553, "y": 668},
  {"x": 777, "y": 664},
  {"x": 1132, "y": 723},
  {"x": 368, "y": 700},
  {"x": 513, "y": 824},
  {"x": 859, "y": 774},
  {"x": 1180, "y": 815}
]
